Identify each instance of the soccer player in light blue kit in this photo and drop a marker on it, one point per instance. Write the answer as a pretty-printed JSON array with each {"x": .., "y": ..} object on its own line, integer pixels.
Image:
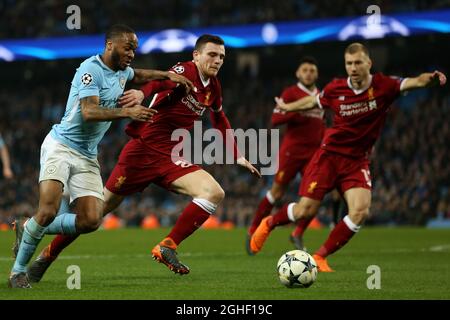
[{"x": 69, "y": 152}]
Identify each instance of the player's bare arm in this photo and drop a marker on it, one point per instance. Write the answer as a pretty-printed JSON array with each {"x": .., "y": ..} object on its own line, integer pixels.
[
  {"x": 4, "y": 154},
  {"x": 91, "y": 111},
  {"x": 142, "y": 76},
  {"x": 424, "y": 80},
  {"x": 306, "y": 103}
]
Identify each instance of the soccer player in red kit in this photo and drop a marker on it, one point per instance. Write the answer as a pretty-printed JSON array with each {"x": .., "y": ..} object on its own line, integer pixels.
[
  {"x": 302, "y": 138},
  {"x": 361, "y": 103},
  {"x": 149, "y": 156}
]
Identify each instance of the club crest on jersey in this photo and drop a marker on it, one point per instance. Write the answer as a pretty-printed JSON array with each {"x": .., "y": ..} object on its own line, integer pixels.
[
  {"x": 280, "y": 175},
  {"x": 51, "y": 169},
  {"x": 86, "y": 78},
  {"x": 207, "y": 96},
  {"x": 122, "y": 82},
  {"x": 312, "y": 186},
  {"x": 372, "y": 104},
  {"x": 370, "y": 93},
  {"x": 120, "y": 182}
]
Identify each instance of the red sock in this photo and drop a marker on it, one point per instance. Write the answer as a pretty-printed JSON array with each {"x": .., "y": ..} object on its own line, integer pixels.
[
  {"x": 190, "y": 220},
  {"x": 59, "y": 243},
  {"x": 338, "y": 237},
  {"x": 302, "y": 224},
  {"x": 264, "y": 209},
  {"x": 280, "y": 218}
]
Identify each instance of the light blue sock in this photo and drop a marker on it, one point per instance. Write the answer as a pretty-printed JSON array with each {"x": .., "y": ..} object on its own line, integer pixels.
[
  {"x": 64, "y": 207},
  {"x": 63, "y": 224},
  {"x": 32, "y": 235}
]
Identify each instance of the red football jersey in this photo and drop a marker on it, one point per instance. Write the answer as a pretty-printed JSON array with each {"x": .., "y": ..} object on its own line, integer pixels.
[
  {"x": 176, "y": 109},
  {"x": 305, "y": 129},
  {"x": 359, "y": 114}
]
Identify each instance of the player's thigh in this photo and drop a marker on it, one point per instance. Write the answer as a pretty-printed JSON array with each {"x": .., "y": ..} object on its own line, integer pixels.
[
  {"x": 287, "y": 171},
  {"x": 89, "y": 210},
  {"x": 112, "y": 201},
  {"x": 86, "y": 190},
  {"x": 278, "y": 190},
  {"x": 50, "y": 194},
  {"x": 199, "y": 184},
  {"x": 54, "y": 162},
  {"x": 320, "y": 176}
]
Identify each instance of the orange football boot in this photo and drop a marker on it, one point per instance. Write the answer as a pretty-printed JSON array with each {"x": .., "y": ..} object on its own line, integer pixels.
[
  {"x": 260, "y": 235},
  {"x": 164, "y": 252},
  {"x": 322, "y": 264}
]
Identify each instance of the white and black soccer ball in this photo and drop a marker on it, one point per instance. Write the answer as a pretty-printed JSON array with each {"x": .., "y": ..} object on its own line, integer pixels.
[{"x": 297, "y": 268}]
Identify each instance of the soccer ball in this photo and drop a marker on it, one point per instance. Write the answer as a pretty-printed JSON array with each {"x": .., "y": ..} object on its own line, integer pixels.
[{"x": 297, "y": 269}]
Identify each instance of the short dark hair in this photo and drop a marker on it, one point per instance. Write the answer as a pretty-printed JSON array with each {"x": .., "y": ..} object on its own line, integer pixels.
[
  {"x": 355, "y": 47},
  {"x": 308, "y": 59},
  {"x": 205, "y": 38},
  {"x": 116, "y": 31}
]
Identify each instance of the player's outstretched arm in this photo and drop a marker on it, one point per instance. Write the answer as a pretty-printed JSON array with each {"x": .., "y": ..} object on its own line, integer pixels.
[
  {"x": 306, "y": 103},
  {"x": 91, "y": 111},
  {"x": 428, "y": 79},
  {"x": 142, "y": 76}
]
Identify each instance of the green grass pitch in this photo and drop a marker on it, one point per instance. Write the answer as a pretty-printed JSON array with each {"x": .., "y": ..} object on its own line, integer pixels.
[{"x": 414, "y": 263}]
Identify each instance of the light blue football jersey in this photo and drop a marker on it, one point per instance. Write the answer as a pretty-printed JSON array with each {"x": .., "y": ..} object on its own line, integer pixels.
[
  {"x": 2, "y": 142},
  {"x": 92, "y": 78}
]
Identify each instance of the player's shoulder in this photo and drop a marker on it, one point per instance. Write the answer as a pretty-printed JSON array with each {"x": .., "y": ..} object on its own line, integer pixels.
[
  {"x": 337, "y": 83},
  {"x": 292, "y": 92},
  {"x": 291, "y": 89},
  {"x": 91, "y": 64},
  {"x": 380, "y": 79},
  {"x": 379, "y": 76},
  {"x": 184, "y": 67}
]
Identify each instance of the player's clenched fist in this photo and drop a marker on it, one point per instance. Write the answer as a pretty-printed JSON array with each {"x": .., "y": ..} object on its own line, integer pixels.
[{"x": 140, "y": 113}]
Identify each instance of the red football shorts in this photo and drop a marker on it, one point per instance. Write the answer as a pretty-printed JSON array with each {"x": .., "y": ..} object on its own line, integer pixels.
[
  {"x": 328, "y": 170},
  {"x": 138, "y": 166},
  {"x": 291, "y": 162}
]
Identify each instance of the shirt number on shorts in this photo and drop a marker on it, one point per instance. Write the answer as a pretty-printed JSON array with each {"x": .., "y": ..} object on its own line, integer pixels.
[
  {"x": 183, "y": 164},
  {"x": 366, "y": 174}
]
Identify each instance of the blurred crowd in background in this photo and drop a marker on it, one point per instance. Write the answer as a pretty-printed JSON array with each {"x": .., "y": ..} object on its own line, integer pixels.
[{"x": 410, "y": 171}]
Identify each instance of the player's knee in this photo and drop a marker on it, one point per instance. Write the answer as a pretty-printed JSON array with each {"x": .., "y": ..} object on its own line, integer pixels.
[
  {"x": 277, "y": 194},
  {"x": 217, "y": 195},
  {"x": 305, "y": 210},
  {"x": 90, "y": 222},
  {"x": 359, "y": 214},
  {"x": 46, "y": 214},
  {"x": 214, "y": 194}
]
